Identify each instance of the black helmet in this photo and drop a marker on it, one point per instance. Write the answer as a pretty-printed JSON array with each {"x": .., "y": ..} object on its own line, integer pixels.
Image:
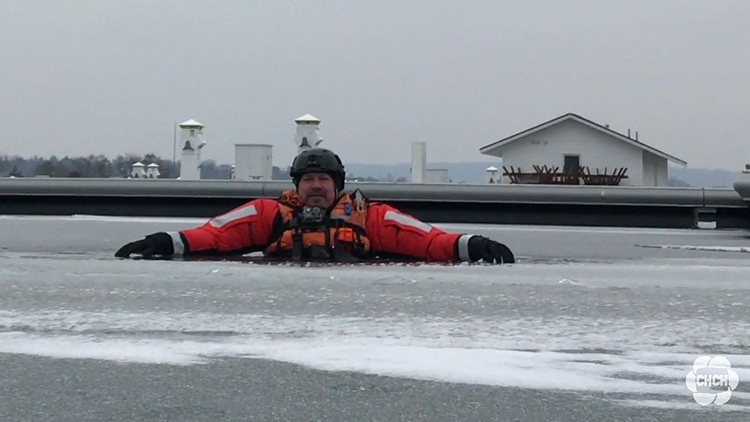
[{"x": 318, "y": 160}]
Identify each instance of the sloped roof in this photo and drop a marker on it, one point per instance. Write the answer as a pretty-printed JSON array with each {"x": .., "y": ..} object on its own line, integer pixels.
[
  {"x": 191, "y": 123},
  {"x": 571, "y": 116},
  {"x": 307, "y": 118}
]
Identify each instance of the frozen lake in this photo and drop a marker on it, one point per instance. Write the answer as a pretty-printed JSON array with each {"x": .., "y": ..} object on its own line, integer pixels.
[{"x": 618, "y": 313}]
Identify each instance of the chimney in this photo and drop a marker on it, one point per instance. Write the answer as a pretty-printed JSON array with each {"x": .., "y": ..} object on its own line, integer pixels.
[
  {"x": 636, "y": 135},
  {"x": 628, "y": 132},
  {"x": 418, "y": 161}
]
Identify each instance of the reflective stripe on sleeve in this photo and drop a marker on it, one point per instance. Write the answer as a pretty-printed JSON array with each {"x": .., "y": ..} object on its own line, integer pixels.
[
  {"x": 463, "y": 247},
  {"x": 179, "y": 247},
  {"x": 407, "y": 221},
  {"x": 237, "y": 214}
]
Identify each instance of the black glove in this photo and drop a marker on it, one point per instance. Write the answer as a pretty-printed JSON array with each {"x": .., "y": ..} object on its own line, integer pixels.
[
  {"x": 153, "y": 244},
  {"x": 490, "y": 251}
]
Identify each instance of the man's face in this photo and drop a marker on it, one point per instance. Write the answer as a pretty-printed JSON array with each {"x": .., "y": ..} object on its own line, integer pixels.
[{"x": 317, "y": 189}]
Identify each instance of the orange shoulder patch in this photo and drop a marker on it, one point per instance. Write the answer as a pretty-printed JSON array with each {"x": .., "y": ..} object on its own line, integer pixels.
[{"x": 290, "y": 199}]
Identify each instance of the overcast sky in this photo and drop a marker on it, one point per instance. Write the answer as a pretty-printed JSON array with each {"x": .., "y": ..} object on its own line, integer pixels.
[{"x": 80, "y": 77}]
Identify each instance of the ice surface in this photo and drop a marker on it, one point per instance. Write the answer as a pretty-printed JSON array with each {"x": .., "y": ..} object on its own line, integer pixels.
[{"x": 607, "y": 315}]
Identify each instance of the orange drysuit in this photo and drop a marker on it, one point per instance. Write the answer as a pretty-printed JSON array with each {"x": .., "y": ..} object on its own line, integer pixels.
[{"x": 377, "y": 229}]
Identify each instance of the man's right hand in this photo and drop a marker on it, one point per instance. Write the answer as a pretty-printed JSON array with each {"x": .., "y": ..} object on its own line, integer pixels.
[{"x": 153, "y": 244}]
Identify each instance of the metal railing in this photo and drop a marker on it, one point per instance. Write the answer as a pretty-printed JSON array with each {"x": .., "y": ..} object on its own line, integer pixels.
[{"x": 461, "y": 203}]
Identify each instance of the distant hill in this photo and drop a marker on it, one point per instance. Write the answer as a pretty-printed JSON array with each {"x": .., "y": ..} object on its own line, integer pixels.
[
  {"x": 469, "y": 172},
  {"x": 475, "y": 172},
  {"x": 706, "y": 178}
]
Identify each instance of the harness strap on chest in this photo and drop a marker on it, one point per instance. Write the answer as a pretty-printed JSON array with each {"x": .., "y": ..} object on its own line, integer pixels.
[
  {"x": 297, "y": 246},
  {"x": 341, "y": 237}
]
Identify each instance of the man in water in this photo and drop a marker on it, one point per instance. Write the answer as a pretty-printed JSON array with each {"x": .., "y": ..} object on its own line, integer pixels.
[{"x": 319, "y": 221}]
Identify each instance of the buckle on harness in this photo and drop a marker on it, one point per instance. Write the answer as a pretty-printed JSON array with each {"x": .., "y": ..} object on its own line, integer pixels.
[{"x": 297, "y": 246}]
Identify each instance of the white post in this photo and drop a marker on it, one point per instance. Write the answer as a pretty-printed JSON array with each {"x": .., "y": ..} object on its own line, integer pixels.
[
  {"x": 418, "y": 161},
  {"x": 138, "y": 171},
  {"x": 306, "y": 136},
  {"x": 491, "y": 172},
  {"x": 191, "y": 139},
  {"x": 152, "y": 171}
]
